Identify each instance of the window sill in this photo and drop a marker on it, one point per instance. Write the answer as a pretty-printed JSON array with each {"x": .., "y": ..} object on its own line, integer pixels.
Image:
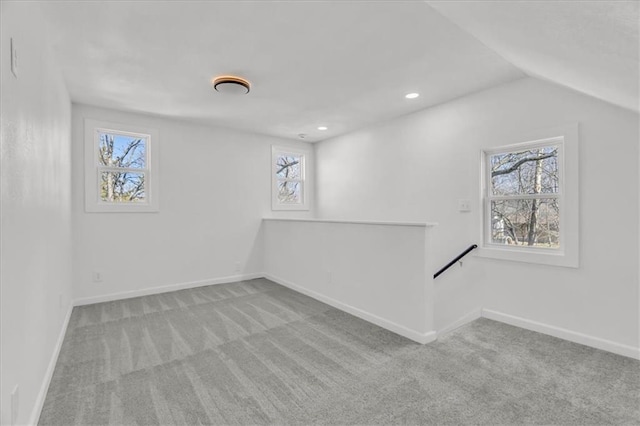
[
  {"x": 290, "y": 208},
  {"x": 106, "y": 208},
  {"x": 540, "y": 257}
]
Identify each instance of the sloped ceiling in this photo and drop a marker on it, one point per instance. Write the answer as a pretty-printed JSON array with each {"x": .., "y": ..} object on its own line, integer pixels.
[
  {"x": 588, "y": 46},
  {"x": 344, "y": 65}
]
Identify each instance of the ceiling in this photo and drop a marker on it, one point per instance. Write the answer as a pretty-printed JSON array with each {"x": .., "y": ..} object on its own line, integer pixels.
[
  {"x": 589, "y": 46},
  {"x": 344, "y": 65}
]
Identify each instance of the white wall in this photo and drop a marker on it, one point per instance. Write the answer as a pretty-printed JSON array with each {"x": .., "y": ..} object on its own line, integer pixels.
[
  {"x": 214, "y": 190},
  {"x": 378, "y": 272},
  {"x": 35, "y": 208},
  {"x": 416, "y": 168}
]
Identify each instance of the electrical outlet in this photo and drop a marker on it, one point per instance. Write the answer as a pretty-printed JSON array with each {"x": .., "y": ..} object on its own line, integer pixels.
[
  {"x": 14, "y": 59},
  {"x": 97, "y": 276},
  {"x": 464, "y": 205},
  {"x": 330, "y": 277},
  {"x": 238, "y": 266},
  {"x": 15, "y": 404}
]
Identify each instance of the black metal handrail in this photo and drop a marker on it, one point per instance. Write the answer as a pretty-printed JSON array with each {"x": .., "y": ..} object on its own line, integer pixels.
[{"x": 460, "y": 256}]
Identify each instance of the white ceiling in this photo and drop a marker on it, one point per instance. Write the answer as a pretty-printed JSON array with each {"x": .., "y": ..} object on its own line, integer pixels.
[
  {"x": 589, "y": 46},
  {"x": 340, "y": 64}
]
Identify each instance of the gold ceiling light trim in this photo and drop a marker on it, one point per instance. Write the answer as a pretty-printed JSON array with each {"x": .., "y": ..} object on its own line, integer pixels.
[{"x": 231, "y": 84}]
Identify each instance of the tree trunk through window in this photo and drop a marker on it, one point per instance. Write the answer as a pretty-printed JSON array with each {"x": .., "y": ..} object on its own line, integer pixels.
[{"x": 537, "y": 187}]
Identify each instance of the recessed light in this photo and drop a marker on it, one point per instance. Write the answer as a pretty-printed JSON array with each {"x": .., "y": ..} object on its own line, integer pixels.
[
  {"x": 322, "y": 127},
  {"x": 411, "y": 95},
  {"x": 231, "y": 84}
]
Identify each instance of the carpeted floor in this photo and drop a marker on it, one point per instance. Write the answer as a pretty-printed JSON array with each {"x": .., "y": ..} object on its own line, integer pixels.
[{"x": 258, "y": 353}]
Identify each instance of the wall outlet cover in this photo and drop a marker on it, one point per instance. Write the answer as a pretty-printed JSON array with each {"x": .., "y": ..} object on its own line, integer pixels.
[{"x": 464, "y": 205}]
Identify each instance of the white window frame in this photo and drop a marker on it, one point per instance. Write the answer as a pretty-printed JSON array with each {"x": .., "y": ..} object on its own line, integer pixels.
[
  {"x": 92, "y": 170},
  {"x": 304, "y": 190},
  {"x": 566, "y": 138}
]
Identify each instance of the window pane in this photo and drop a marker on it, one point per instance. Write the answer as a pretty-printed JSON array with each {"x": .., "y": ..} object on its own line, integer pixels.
[
  {"x": 533, "y": 171},
  {"x": 122, "y": 187},
  {"x": 532, "y": 223},
  {"x": 289, "y": 166},
  {"x": 122, "y": 151},
  {"x": 289, "y": 192}
]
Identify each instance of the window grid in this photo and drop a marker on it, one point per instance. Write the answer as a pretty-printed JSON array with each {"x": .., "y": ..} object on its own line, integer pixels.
[
  {"x": 288, "y": 179},
  {"x": 101, "y": 168},
  {"x": 121, "y": 168},
  {"x": 490, "y": 198}
]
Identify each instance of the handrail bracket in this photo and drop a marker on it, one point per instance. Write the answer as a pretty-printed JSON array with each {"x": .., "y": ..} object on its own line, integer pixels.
[{"x": 458, "y": 258}]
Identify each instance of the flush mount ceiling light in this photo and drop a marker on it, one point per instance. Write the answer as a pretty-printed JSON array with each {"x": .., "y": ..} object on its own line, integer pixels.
[
  {"x": 231, "y": 84},
  {"x": 411, "y": 95},
  {"x": 322, "y": 127}
]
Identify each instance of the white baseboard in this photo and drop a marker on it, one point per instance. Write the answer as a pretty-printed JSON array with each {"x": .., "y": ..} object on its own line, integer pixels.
[
  {"x": 562, "y": 333},
  {"x": 423, "y": 338},
  {"x": 416, "y": 336},
  {"x": 163, "y": 289},
  {"x": 465, "y": 319},
  {"x": 48, "y": 375}
]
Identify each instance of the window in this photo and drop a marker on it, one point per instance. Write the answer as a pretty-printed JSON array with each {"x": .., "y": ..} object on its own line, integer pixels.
[
  {"x": 288, "y": 170},
  {"x": 120, "y": 168},
  {"x": 524, "y": 196},
  {"x": 530, "y": 208}
]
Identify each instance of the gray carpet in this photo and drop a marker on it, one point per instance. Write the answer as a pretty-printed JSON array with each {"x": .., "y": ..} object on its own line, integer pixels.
[{"x": 257, "y": 353}]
